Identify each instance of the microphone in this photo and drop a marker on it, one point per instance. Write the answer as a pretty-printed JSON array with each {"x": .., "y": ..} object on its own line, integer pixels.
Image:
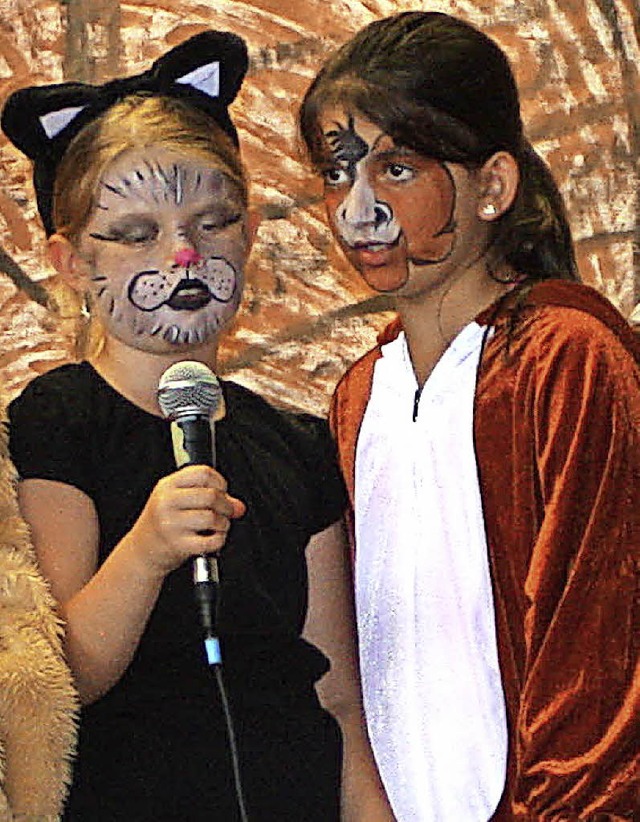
[{"x": 190, "y": 396}]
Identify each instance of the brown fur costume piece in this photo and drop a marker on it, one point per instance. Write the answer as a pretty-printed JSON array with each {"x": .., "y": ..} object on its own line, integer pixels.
[{"x": 38, "y": 703}]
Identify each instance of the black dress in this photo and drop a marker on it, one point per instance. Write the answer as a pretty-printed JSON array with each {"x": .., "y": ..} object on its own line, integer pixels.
[{"x": 155, "y": 746}]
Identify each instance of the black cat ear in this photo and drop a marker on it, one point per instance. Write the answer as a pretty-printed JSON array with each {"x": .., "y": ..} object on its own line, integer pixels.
[
  {"x": 41, "y": 122},
  {"x": 207, "y": 71},
  {"x": 212, "y": 63},
  {"x": 53, "y": 122},
  {"x": 34, "y": 117}
]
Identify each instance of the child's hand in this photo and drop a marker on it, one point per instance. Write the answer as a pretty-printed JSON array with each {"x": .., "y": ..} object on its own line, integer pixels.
[{"x": 188, "y": 513}]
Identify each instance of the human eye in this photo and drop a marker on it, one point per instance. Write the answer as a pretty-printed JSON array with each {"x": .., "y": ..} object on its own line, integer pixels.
[
  {"x": 335, "y": 176},
  {"x": 132, "y": 234},
  {"x": 398, "y": 172},
  {"x": 140, "y": 235},
  {"x": 212, "y": 221}
]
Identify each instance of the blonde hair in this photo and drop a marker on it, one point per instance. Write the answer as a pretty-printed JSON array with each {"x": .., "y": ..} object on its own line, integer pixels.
[{"x": 137, "y": 121}]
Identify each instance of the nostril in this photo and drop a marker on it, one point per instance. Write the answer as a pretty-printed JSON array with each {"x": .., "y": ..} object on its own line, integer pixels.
[{"x": 187, "y": 256}]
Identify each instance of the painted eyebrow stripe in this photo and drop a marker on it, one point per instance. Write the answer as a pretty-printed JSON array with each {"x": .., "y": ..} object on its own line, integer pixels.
[
  {"x": 347, "y": 145},
  {"x": 178, "y": 173},
  {"x": 394, "y": 150},
  {"x": 162, "y": 174},
  {"x": 152, "y": 173},
  {"x": 170, "y": 182},
  {"x": 114, "y": 189}
]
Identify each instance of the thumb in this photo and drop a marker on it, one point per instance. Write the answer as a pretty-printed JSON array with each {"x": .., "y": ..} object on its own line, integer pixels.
[{"x": 239, "y": 508}]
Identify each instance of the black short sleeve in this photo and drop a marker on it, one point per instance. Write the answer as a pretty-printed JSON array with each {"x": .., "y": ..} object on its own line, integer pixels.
[
  {"x": 48, "y": 430},
  {"x": 322, "y": 475},
  {"x": 286, "y": 462}
]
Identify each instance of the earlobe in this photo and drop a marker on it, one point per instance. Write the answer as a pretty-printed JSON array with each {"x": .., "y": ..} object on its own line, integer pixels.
[
  {"x": 64, "y": 258},
  {"x": 499, "y": 179}
]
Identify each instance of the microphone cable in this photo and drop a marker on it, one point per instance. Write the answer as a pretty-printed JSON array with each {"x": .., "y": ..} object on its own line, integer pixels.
[
  {"x": 233, "y": 744},
  {"x": 206, "y": 581}
]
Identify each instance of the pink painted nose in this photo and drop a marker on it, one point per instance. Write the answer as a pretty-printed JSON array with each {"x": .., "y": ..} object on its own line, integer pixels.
[{"x": 187, "y": 256}]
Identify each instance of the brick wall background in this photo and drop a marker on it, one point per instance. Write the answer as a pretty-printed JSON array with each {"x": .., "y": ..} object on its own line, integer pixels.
[{"x": 305, "y": 315}]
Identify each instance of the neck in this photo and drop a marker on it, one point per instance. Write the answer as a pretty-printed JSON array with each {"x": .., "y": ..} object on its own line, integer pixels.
[
  {"x": 135, "y": 374},
  {"x": 431, "y": 321}
]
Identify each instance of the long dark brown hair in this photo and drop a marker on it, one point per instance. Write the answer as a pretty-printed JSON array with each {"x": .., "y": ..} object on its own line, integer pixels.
[{"x": 441, "y": 87}]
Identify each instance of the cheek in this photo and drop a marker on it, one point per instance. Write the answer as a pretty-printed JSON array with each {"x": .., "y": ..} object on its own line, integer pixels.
[
  {"x": 427, "y": 221},
  {"x": 232, "y": 246},
  {"x": 112, "y": 275},
  {"x": 117, "y": 265}
]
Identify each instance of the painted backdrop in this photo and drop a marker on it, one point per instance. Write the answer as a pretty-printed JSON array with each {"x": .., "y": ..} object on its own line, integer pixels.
[{"x": 305, "y": 316}]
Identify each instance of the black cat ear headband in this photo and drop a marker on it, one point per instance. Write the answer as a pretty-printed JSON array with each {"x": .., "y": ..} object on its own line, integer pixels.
[{"x": 205, "y": 71}]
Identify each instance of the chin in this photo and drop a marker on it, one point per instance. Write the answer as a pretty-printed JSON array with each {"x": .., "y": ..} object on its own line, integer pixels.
[{"x": 174, "y": 334}]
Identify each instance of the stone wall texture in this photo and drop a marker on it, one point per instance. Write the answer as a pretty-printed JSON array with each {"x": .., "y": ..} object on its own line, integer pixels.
[{"x": 305, "y": 315}]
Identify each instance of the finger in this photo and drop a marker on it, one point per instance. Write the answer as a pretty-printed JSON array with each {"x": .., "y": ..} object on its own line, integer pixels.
[
  {"x": 203, "y": 499},
  {"x": 198, "y": 544},
  {"x": 205, "y": 476},
  {"x": 238, "y": 506},
  {"x": 203, "y": 521}
]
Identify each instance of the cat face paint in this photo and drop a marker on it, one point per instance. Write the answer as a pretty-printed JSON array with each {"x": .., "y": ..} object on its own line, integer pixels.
[
  {"x": 166, "y": 246},
  {"x": 390, "y": 208}
]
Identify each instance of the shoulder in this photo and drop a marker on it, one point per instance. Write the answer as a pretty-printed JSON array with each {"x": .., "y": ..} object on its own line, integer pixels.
[
  {"x": 578, "y": 311},
  {"x": 66, "y": 407},
  {"x": 357, "y": 379},
  {"x": 254, "y": 417},
  {"x": 559, "y": 318},
  {"x": 71, "y": 377},
  {"x": 568, "y": 350},
  {"x": 353, "y": 389},
  {"x": 62, "y": 389},
  {"x": 286, "y": 451}
]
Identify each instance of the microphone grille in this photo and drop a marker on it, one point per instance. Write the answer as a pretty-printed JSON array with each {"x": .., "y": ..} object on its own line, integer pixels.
[{"x": 189, "y": 387}]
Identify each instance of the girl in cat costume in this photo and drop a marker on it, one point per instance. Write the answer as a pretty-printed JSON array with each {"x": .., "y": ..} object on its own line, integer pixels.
[{"x": 142, "y": 192}]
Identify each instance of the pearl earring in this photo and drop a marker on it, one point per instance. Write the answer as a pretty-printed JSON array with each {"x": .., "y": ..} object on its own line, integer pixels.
[{"x": 489, "y": 210}]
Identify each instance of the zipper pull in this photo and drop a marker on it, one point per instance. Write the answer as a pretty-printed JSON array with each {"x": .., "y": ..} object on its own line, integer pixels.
[{"x": 416, "y": 401}]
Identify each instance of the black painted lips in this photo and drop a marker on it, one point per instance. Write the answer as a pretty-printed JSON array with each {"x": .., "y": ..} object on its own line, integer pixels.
[{"x": 189, "y": 295}]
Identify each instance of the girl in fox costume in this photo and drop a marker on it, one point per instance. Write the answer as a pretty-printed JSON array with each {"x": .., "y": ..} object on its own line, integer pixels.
[{"x": 490, "y": 442}]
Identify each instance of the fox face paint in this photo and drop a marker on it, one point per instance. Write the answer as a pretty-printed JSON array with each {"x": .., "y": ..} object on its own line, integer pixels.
[
  {"x": 166, "y": 246},
  {"x": 389, "y": 207}
]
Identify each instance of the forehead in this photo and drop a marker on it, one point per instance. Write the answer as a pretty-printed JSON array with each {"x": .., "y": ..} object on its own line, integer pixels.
[{"x": 150, "y": 172}]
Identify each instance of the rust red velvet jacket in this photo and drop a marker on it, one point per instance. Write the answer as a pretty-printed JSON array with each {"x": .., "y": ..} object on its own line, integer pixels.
[{"x": 557, "y": 436}]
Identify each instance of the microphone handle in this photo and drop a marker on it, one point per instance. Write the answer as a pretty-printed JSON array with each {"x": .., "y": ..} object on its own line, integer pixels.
[
  {"x": 197, "y": 440},
  {"x": 194, "y": 445}
]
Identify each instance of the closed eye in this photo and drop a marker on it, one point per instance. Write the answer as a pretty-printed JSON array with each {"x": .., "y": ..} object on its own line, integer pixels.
[
  {"x": 137, "y": 234},
  {"x": 217, "y": 221}
]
